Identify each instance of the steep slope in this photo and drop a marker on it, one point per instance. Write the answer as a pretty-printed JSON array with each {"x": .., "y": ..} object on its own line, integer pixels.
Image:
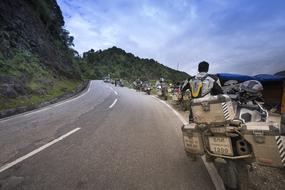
[
  {"x": 119, "y": 64},
  {"x": 35, "y": 58}
]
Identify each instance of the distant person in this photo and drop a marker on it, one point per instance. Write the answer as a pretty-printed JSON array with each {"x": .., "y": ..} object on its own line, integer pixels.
[{"x": 203, "y": 84}]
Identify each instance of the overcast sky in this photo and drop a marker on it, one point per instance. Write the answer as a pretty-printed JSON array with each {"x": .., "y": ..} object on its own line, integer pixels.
[{"x": 235, "y": 36}]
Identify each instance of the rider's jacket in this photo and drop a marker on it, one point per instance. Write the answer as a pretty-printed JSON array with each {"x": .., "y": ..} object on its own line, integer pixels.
[{"x": 203, "y": 84}]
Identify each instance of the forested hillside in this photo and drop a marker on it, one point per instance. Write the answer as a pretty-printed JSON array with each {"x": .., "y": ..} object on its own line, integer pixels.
[{"x": 119, "y": 64}]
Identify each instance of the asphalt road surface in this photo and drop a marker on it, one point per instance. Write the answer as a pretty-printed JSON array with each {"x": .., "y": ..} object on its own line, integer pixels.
[{"x": 106, "y": 138}]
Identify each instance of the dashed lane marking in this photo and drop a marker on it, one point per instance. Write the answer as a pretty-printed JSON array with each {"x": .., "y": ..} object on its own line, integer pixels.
[
  {"x": 113, "y": 90},
  {"x": 11, "y": 164},
  {"x": 112, "y": 105}
]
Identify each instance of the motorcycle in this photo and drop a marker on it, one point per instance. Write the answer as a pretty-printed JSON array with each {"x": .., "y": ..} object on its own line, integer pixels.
[
  {"x": 233, "y": 131},
  {"x": 146, "y": 87},
  {"x": 138, "y": 85},
  {"x": 164, "y": 91}
]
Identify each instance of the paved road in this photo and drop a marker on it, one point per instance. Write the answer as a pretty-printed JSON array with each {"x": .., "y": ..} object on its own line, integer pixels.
[{"x": 96, "y": 142}]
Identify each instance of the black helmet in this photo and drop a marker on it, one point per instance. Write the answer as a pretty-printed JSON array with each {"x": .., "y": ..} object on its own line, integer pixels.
[{"x": 203, "y": 67}]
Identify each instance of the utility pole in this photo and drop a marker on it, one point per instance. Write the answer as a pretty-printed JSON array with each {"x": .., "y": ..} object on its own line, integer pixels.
[{"x": 177, "y": 66}]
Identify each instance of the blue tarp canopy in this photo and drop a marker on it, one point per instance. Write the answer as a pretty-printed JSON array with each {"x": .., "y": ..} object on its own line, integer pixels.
[
  {"x": 241, "y": 78},
  {"x": 228, "y": 76},
  {"x": 266, "y": 78}
]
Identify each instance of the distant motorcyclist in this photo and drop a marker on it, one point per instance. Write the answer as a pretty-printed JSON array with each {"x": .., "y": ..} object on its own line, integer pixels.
[
  {"x": 203, "y": 84},
  {"x": 163, "y": 88},
  {"x": 138, "y": 84}
]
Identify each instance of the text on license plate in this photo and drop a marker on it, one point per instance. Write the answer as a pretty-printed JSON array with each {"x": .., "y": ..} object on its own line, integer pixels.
[
  {"x": 192, "y": 143},
  {"x": 221, "y": 145}
]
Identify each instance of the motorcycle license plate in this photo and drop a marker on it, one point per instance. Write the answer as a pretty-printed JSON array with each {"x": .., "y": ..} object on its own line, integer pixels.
[
  {"x": 192, "y": 143},
  {"x": 221, "y": 145}
]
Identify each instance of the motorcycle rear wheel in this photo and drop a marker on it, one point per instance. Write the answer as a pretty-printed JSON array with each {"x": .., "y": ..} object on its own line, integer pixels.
[{"x": 234, "y": 174}]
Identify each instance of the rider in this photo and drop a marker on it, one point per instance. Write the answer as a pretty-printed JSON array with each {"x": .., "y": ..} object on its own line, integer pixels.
[{"x": 203, "y": 84}]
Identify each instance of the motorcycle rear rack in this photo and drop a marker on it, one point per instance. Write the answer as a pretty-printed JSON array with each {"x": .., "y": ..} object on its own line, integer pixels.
[
  {"x": 223, "y": 156},
  {"x": 228, "y": 157}
]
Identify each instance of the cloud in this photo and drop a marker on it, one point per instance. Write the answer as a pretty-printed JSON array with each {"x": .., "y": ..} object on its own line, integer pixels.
[{"x": 234, "y": 36}]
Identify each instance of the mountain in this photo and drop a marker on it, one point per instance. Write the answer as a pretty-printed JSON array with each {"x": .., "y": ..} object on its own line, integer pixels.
[{"x": 119, "y": 64}]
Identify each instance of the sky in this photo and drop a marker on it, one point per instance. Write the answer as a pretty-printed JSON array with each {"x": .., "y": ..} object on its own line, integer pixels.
[{"x": 234, "y": 36}]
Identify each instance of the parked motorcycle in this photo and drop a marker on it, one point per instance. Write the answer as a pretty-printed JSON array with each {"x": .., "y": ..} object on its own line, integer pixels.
[
  {"x": 164, "y": 91},
  {"x": 138, "y": 85},
  {"x": 232, "y": 131},
  {"x": 119, "y": 82},
  {"x": 146, "y": 87}
]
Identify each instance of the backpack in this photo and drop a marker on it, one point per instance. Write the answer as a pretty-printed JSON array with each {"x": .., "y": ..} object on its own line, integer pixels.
[{"x": 201, "y": 85}]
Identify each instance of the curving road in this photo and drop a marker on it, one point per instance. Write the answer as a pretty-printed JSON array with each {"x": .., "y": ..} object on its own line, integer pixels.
[{"x": 106, "y": 138}]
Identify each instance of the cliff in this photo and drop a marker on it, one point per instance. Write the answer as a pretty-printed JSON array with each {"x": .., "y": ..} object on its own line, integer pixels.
[{"x": 35, "y": 54}]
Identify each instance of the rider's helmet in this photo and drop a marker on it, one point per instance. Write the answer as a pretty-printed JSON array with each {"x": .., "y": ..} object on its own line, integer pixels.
[
  {"x": 251, "y": 86},
  {"x": 251, "y": 90}
]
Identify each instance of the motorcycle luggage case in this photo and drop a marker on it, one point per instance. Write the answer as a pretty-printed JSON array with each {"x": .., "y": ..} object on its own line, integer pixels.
[
  {"x": 268, "y": 146},
  {"x": 192, "y": 139},
  {"x": 212, "y": 110}
]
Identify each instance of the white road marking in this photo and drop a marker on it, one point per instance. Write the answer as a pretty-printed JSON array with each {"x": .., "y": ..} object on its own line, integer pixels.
[
  {"x": 216, "y": 178},
  {"x": 11, "y": 164},
  {"x": 113, "y": 90},
  {"x": 173, "y": 110},
  {"x": 115, "y": 101},
  {"x": 37, "y": 111},
  {"x": 46, "y": 108},
  {"x": 61, "y": 103}
]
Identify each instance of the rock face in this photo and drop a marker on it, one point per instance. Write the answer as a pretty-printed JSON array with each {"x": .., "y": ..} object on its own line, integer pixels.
[
  {"x": 11, "y": 87},
  {"x": 25, "y": 26},
  {"x": 35, "y": 28}
]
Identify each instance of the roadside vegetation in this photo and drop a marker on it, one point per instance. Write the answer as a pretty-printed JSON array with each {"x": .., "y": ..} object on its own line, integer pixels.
[
  {"x": 30, "y": 83},
  {"x": 61, "y": 87}
]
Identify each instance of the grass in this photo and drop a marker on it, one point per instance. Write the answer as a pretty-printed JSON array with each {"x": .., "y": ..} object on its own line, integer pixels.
[
  {"x": 40, "y": 82},
  {"x": 59, "y": 88},
  {"x": 153, "y": 91},
  {"x": 23, "y": 63}
]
